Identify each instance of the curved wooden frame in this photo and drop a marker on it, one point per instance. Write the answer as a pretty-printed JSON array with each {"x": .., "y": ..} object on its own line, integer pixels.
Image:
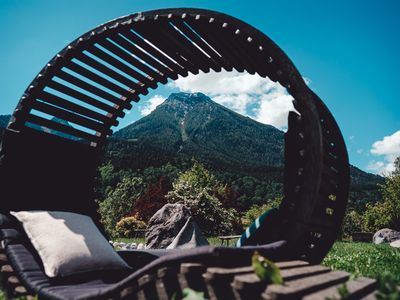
[{"x": 93, "y": 80}]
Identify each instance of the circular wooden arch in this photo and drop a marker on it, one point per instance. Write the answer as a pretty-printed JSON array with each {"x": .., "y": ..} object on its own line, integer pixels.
[{"x": 95, "y": 79}]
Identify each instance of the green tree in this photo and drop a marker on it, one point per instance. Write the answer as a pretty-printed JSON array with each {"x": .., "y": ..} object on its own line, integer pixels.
[
  {"x": 386, "y": 213},
  {"x": 119, "y": 202},
  {"x": 197, "y": 188},
  {"x": 352, "y": 222},
  {"x": 108, "y": 178}
]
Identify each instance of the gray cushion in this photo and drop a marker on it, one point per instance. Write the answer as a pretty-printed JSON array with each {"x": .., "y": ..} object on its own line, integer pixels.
[{"x": 68, "y": 243}]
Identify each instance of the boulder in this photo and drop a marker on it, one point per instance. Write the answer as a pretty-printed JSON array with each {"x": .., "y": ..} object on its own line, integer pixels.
[
  {"x": 385, "y": 235},
  {"x": 395, "y": 244},
  {"x": 190, "y": 236},
  {"x": 165, "y": 224}
]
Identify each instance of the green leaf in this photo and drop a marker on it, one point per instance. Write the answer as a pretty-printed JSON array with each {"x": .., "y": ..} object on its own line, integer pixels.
[
  {"x": 189, "y": 294},
  {"x": 265, "y": 269}
]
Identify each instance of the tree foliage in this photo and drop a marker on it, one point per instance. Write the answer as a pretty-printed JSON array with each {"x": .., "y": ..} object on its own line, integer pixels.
[
  {"x": 352, "y": 222},
  {"x": 387, "y": 212},
  {"x": 126, "y": 227},
  {"x": 198, "y": 188},
  {"x": 119, "y": 202}
]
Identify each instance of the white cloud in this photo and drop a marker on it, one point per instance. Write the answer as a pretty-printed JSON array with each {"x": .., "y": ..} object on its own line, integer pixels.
[
  {"x": 389, "y": 148},
  {"x": 257, "y": 97},
  {"x": 378, "y": 167},
  {"x": 151, "y": 104},
  {"x": 360, "y": 151}
]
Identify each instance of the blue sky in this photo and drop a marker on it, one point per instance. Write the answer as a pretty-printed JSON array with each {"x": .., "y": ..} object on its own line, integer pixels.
[{"x": 349, "y": 50}]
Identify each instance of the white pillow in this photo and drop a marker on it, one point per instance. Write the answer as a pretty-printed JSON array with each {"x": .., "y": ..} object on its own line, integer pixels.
[{"x": 68, "y": 243}]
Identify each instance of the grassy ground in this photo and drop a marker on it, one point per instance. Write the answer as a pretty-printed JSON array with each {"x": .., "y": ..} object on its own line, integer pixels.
[
  {"x": 365, "y": 259},
  {"x": 212, "y": 240}
]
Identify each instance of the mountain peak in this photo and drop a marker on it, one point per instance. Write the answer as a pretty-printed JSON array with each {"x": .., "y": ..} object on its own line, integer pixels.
[{"x": 188, "y": 98}]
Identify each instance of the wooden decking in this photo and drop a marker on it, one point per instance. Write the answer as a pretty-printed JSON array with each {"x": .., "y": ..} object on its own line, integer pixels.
[{"x": 302, "y": 281}]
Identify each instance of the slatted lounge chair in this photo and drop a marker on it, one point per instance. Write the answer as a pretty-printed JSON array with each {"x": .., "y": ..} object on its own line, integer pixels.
[{"x": 48, "y": 165}]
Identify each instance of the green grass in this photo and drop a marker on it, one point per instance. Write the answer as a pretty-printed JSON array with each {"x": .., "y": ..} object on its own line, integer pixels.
[
  {"x": 364, "y": 259},
  {"x": 212, "y": 240}
]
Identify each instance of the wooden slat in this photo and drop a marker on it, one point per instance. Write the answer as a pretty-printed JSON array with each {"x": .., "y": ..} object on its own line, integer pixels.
[
  {"x": 170, "y": 280},
  {"x": 297, "y": 288},
  {"x": 20, "y": 291},
  {"x": 191, "y": 274},
  {"x": 227, "y": 273},
  {"x": 13, "y": 281},
  {"x": 62, "y": 128},
  {"x": 291, "y": 264},
  {"x": 176, "y": 69},
  {"x": 111, "y": 73},
  {"x": 151, "y": 33},
  {"x": 187, "y": 48},
  {"x": 60, "y": 102},
  {"x": 357, "y": 289},
  {"x": 216, "y": 42},
  {"x": 122, "y": 41},
  {"x": 370, "y": 296},
  {"x": 147, "y": 286},
  {"x": 219, "y": 60},
  {"x": 148, "y": 80},
  {"x": 7, "y": 269},
  {"x": 100, "y": 80},
  {"x": 92, "y": 89},
  {"x": 248, "y": 286},
  {"x": 68, "y": 116},
  {"x": 295, "y": 273},
  {"x": 85, "y": 98},
  {"x": 219, "y": 280}
]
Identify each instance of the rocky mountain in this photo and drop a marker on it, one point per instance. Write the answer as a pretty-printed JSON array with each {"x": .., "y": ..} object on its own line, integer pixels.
[{"x": 192, "y": 125}]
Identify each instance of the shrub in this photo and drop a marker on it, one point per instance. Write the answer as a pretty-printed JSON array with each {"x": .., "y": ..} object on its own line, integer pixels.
[
  {"x": 119, "y": 202},
  {"x": 352, "y": 222},
  {"x": 197, "y": 189},
  {"x": 126, "y": 227}
]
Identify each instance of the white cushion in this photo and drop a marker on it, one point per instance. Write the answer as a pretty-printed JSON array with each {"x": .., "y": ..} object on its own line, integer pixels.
[{"x": 68, "y": 243}]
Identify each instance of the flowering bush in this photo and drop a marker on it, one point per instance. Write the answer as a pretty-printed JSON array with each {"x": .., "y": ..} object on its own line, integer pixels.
[{"x": 126, "y": 227}]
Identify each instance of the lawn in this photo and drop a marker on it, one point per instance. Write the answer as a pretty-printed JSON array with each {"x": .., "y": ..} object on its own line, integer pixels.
[{"x": 364, "y": 259}]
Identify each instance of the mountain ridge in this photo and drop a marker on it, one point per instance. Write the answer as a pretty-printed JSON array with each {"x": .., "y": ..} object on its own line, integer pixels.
[{"x": 177, "y": 129}]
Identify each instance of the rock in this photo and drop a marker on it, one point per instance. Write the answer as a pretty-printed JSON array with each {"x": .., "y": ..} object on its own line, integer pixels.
[
  {"x": 386, "y": 235},
  {"x": 165, "y": 224},
  {"x": 141, "y": 246},
  {"x": 190, "y": 236},
  {"x": 395, "y": 244}
]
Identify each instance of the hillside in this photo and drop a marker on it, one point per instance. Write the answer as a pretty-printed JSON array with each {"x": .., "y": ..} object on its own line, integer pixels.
[
  {"x": 192, "y": 125},
  {"x": 189, "y": 126}
]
